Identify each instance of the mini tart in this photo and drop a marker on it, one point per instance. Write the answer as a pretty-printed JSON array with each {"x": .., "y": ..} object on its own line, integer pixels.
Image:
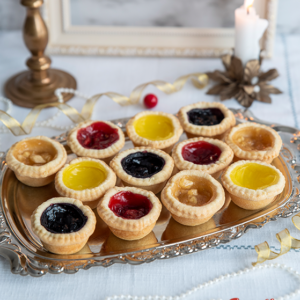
[
  {"x": 253, "y": 184},
  {"x": 96, "y": 139},
  {"x": 203, "y": 154},
  {"x": 129, "y": 212},
  {"x": 143, "y": 167},
  {"x": 251, "y": 141},
  {"x": 215, "y": 116},
  {"x": 36, "y": 160},
  {"x": 154, "y": 129},
  {"x": 85, "y": 179},
  {"x": 193, "y": 197},
  {"x": 63, "y": 225}
]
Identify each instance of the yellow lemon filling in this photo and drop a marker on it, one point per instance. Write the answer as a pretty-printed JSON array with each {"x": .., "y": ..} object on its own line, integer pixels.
[
  {"x": 84, "y": 175},
  {"x": 154, "y": 127},
  {"x": 254, "y": 176}
]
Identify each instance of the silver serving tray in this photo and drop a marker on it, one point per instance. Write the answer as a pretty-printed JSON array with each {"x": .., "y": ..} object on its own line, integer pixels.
[{"x": 169, "y": 239}]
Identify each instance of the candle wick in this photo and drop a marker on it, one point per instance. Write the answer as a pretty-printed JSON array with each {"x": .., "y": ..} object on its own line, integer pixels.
[{"x": 248, "y": 10}]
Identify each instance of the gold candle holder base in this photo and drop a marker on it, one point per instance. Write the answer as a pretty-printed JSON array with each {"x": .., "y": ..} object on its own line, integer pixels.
[
  {"x": 37, "y": 86},
  {"x": 23, "y": 92}
]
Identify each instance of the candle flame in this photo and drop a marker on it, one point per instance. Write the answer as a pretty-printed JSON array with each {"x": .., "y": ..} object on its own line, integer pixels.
[{"x": 248, "y": 4}]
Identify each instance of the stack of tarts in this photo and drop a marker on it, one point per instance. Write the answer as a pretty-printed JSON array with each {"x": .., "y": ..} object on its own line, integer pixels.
[{"x": 193, "y": 179}]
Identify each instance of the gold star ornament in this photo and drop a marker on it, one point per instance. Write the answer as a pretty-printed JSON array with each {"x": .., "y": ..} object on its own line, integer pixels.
[{"x": 244, "y": 84}]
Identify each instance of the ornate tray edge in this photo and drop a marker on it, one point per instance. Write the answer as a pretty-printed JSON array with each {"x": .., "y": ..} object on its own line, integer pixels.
[{"x": 26, "y": 264}]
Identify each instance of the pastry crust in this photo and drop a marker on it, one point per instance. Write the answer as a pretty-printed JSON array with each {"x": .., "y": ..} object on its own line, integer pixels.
[
  {"x": 105, "y": 154},
  {"x": 156, "y": 182},
  {"x": 213, "y": 169},
  {"x": 248, "y": 198},
  {"x": 216, "y": 131},
  {"x": 91, "y": 196},
  {"x": 165, "y": 145},
  {"x": 125, "y": 228},
  {"x": 36, "y": 176},
  {"x": 63, "y": 243},
  {"x": 263, "y": 155},
  {"x": 193, "y": 215}
]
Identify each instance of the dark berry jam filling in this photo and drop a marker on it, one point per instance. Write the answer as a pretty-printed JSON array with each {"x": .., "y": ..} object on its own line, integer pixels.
[
  {"x": 98, "y": 136},
  {"x": 205, "y": 116},
  {"x": 201, "y": 153},
  {"x": 63, "y": 218},
  {"x": 142, "y": 164},
  {"x": 128, "y": 205}
]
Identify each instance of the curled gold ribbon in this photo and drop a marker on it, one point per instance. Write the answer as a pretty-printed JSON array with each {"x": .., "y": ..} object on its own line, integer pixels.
[
  {"x": 287, "y": 242},
  {"x": 199, "y": 80}
]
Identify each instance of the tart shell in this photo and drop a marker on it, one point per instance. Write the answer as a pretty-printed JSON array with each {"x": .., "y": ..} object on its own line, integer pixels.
[
  {"x": 216, "y": 131},
  {"x": 104, "y": 154},
  {"x": 156, "y": 182},
  {"x": 89, "y": 197},
  {"x": 63, "y": 243},
  {"x": 125, "y": 228},
  {"x": 165, "y": 145},
  {"x": 213, "y": 169},
  {"x": 265, "y": 155},
  {"x": 248, "y": 198},
  {"x": 37, "y": 176},
  {"x": 193, "y": 215}
]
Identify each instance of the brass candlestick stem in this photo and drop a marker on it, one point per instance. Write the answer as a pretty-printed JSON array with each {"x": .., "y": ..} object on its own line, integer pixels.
[{"x": 37, "y": 86}]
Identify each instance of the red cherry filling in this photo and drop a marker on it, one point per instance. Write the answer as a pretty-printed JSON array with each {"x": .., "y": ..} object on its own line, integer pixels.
[
  {"x": 98, "y": 135},
  {"x": 128, "y": 205},
  {"x": 201, "y": 153}
]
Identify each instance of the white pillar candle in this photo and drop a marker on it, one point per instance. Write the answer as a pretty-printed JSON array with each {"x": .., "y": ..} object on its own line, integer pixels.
[{"x": 249, "y": 29}]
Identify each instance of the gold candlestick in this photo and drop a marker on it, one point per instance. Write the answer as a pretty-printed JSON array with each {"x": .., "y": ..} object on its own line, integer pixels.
[{"x": 37, "y": 86}]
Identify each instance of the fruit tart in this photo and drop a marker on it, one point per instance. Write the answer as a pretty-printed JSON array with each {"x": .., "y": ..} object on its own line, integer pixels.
[
  {"x": 129, "y": 212},
  {"x": 143, "y": 167},
  {"x": 63, "y": 225},
  {"x": 203, "y": 154},
  {"x": 193, "y": 197},
  {"x": 253, "y": 184},
  {"x": 96, "y": 139},
  {"x": 206, "y": 119},
  {"x": 251, "y": 141},
  {"x": 36, "y": 160},
  {"x": 154, "y": 129},
  {"x": 85, "y": 179}
]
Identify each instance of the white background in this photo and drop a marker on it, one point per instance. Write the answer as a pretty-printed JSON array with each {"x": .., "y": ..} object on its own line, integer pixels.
[{"x": 12, "y": 14}]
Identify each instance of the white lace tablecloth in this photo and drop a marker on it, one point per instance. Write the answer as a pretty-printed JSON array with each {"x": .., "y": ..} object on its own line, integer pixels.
[{"x": 174, "y": 276}]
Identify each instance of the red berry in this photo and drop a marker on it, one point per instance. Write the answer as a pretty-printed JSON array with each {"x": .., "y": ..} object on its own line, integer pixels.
[{"x": 150, "y": 101}]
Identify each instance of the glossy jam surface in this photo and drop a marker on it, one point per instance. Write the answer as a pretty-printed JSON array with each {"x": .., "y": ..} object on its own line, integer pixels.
[
  {"x": 254, "y": 176},
  {"x": 201, "y": 153},
  {"x": 154, "y": 127},
  {"x": 34, "y": 152},
  {"x": 142, "y": 164},
  {"x": 84, "y": 175},
  {"x": 63, "y": 218},
  {"x": 253, "y": 139},
  {"x": 193, "y": 190},
  {"x": 205, "y": 116},
  {"x": 98, "y": 135},
  {"x": 128, "y": 205}
]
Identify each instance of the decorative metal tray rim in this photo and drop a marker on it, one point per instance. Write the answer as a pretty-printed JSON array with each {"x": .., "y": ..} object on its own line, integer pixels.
[{"x": 25, "y": 262}]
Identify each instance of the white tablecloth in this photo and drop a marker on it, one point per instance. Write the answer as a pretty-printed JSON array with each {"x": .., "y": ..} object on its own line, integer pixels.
[{"x": 174, "y": 276}]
